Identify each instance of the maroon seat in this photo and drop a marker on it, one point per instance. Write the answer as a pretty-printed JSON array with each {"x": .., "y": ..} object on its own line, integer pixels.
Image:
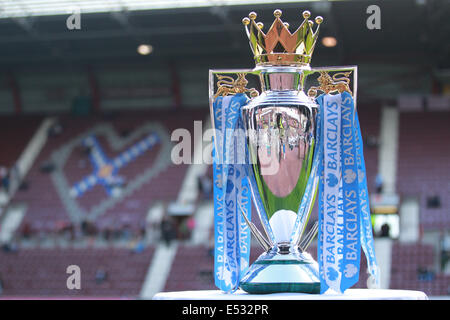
[
  {"x": 16, "y": 132},
  {"x": 412, "y": 269},
  {"x": 42, "y": 272},
  {"x": 192, "y": 269},
  {"x": 424, "y": 166}
]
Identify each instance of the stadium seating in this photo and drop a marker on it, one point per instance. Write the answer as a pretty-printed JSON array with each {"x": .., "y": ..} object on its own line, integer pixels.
[
  {"x": 369, "y": 118},
  {"x": 46, "y": 209},
  {"x": 422, "y": 171},
  {"x": 46, "y": 214},
  {"x": 42, "y": 272},
  {"x": 413, "y": 268},
  {"x": 22, "y": 128},
  {"x": 192, "y": 269},
  {"x": 423, "y": 165}
]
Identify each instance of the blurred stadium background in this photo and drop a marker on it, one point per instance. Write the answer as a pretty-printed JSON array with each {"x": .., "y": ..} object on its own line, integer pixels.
[{"x": 128, "y": 73}]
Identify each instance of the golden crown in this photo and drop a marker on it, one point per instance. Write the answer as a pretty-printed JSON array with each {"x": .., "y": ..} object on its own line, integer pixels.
[{"x": 279, "y": 46}]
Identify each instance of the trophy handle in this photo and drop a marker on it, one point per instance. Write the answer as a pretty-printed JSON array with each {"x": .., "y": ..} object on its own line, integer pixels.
[
  {"x": 230, "y": 82},
  {"x": 224, "y": 82},
  {"x": 334, "y": 80},
  {"x": 227, "y": 85}
]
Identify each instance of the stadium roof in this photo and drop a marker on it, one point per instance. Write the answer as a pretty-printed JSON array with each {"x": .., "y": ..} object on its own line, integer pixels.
[
  {"x": 412, "y": 32},
  {"x": 28, "y": 8}
]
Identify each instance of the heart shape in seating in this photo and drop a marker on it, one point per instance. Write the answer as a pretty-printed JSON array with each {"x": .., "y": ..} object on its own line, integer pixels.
[{"x": 65, "y": 187}]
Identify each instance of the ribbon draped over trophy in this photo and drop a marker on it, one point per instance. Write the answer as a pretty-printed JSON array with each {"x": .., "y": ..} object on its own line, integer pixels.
[
  {"x": 344, "y": 211},
  {"x": 344, "y": 215},
  {"x": 231, "y": 195}
]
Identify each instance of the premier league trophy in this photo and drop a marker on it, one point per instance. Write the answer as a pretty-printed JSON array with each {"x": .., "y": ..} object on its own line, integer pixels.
[{"x": 275, "y": 148}]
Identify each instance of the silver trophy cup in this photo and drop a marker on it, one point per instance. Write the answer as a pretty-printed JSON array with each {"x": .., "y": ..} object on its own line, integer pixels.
[
  {"x": 281, "y": 138},
  {"x": 281, "y": 130}
]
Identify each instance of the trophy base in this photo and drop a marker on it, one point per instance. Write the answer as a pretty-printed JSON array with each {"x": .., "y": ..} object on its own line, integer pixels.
[{"x": 277, "y": 271}]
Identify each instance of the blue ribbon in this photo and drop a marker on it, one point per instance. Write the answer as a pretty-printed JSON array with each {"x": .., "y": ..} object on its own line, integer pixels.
[
  {"x": 352, "y": 212},
  {"x": 231, "y": 194},
  {"x": 367, "y": 241},
  {"x": 344, "y": 217}
]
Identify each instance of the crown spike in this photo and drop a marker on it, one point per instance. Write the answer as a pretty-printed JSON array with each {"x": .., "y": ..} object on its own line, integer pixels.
[
  {"x": 306, "y": 14},
  {"x": 277, "y": 13},
  {"x": 279, "y": 46}
]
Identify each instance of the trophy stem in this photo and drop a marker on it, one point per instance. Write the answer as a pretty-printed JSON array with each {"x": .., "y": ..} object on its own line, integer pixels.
[
  {"x": 255, "y": 232},
  {"x": 306, "y": 241}
]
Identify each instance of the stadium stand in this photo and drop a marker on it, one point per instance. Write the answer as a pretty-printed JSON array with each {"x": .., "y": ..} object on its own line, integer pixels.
[
  {"x": 108, "y": 272},
  {"x": 192, "y": 269},
  {"x": 47, "y": 217},
  {"x": 423, "y": 166},
  {"x": 23, "y": 128},
  {"x": 413, "y": 267},
  {"x": 46, "y": 211},
  {"x": 97, "y": 84},
  {"x": 369, "y": 119}
]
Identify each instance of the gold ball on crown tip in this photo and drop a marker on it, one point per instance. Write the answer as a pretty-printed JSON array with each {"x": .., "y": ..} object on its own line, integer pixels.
[
  {"x": 319, "y": 19},
  {"x": 246, "y": 21},
  {"x": 252, "y": 15},
  {"x": 260, "y": 25},
  {"x": 306, "y": 14},
  {"x": 277, "y": 13},
  {"x": 286, "y": 24}
]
